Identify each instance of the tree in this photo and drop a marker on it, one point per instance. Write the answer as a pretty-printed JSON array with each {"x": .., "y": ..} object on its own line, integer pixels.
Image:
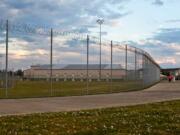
[{"x": 19, "y": 72}]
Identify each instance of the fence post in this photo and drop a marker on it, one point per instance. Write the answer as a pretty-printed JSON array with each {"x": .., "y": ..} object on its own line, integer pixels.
[
  {"x": 135, "y": 73},
  {"x": 6, "y": 70},
  {"x": 126, "y": 62},
  {"x": 111, "y": 62},
  {"x": 13, "y": 78},
  {"x": 51, "y": 60},
  {"x": 100, "y": 56},
  {"x": 87, "y": 70},
  {"x": 144, "y": 68}
]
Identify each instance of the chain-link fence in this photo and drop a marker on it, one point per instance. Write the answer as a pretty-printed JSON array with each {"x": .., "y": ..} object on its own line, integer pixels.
[{"x": 39, "y": 62}]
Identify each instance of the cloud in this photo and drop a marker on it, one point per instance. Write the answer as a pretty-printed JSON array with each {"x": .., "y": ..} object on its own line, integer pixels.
[
  {"x": 173, "y": 21},
  {"x": 62, "y": 13},
  {"x": 168, "y": 35},
  {"x": 164, "y": 47},
  {"x": 158, "y": 2},
  {"x": 167, "y": 60}
]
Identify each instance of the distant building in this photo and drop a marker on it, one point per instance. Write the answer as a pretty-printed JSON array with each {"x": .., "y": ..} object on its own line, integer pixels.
[
  {"x": 172, "y": 71},
  {"x": 76, "y": 71}
]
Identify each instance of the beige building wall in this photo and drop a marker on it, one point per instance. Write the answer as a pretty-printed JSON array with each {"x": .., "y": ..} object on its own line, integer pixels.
[{"x": 64, "y": 73}]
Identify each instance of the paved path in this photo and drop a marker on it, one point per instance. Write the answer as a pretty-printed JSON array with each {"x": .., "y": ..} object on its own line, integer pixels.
[{"x": 159, "y": 92}]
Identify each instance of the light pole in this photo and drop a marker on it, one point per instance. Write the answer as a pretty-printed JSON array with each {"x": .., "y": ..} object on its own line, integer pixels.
[{"x": 100, "y": 22}]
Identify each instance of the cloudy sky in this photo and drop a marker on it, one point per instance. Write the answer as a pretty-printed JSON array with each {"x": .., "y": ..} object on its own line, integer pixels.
[{"x": 153, "y": 25}]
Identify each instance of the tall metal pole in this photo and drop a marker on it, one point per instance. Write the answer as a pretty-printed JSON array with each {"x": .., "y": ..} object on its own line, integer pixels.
[
  {"x": 126, "y": 63},
  {"x": 111, "y": 62},
  {"x": 100, "y": 22},
  {"x": 6, "y": 70},
  {"x": 143, "y": 69},
  {"x": 100, "y": 54},
  {"x": 87, "y": 70},
  {"x": 135, "y": 72},
  {"x": 51, "y": 60}
]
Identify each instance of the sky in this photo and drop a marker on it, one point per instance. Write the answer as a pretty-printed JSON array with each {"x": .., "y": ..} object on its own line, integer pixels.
[{"x": 152, "y": 25}]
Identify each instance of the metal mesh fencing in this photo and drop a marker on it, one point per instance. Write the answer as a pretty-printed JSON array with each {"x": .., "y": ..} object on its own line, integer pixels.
[{"x": 41, "y": 62}]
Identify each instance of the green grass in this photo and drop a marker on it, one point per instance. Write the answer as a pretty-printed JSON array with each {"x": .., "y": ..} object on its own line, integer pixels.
[
  {"x": 24, "y": 89},
  {"x": 150, "y": 119}
]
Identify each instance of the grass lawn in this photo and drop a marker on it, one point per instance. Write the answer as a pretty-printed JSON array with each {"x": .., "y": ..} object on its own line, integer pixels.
[
  {"x": 150, "y": 119},
  {"x": 23, "y": 89}
]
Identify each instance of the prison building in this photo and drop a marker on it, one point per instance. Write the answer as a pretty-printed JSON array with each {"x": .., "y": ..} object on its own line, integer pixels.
[{"x": 75, "y": 71}]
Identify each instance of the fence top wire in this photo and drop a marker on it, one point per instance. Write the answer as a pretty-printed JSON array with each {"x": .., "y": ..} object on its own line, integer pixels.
[{"x": 17, "y": 27}]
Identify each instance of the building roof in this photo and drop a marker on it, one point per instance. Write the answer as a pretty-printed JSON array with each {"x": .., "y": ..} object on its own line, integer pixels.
[
  {"x": 77, "y": 66},
  {"x": 170, "y": 69}
]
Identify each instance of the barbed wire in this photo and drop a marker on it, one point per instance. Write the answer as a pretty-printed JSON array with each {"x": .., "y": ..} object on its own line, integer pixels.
[{"x": 43, "y": 31}]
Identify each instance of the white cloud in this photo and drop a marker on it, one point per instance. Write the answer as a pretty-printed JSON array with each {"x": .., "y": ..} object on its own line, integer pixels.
[
  {"x": 166, "y": 60},
  {"x": 175, "y": 46},
  {"x": 178, "y": 53}
]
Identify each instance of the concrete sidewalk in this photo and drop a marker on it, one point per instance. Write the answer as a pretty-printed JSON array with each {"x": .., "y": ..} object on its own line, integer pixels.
[{"x": 161, "y": 92}]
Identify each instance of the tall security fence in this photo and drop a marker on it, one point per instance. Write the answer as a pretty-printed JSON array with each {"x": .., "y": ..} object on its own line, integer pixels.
[{"x": 39, "y": 62}]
